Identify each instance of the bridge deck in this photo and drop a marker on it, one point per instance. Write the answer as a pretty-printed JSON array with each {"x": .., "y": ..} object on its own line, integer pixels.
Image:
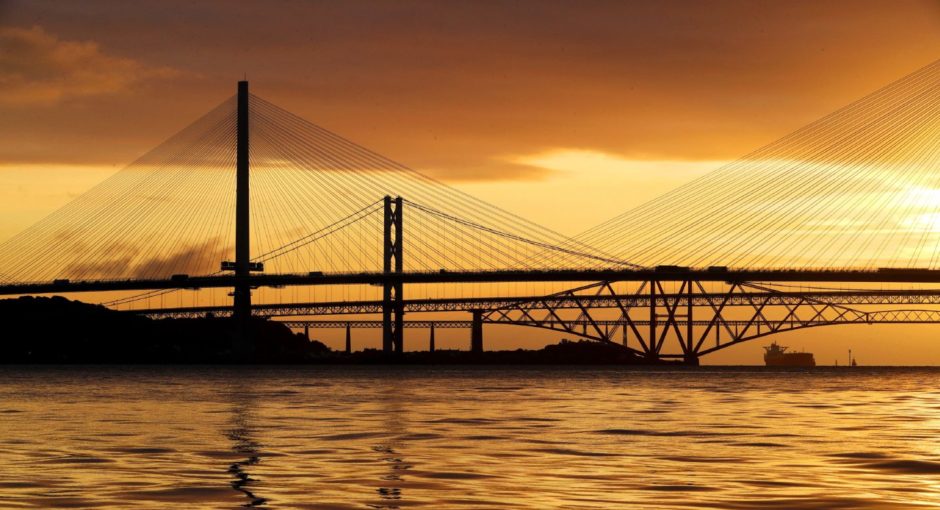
[
  {"x": 365, "y": 307},
  {"x": 561, "y": 275}
]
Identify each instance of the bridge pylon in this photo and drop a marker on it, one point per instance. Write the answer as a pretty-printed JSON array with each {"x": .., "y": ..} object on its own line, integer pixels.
[
  {"x": 476, "y": 331},
  {"x": 242, "y": 291},
  {"x": 393, "y": 305}
]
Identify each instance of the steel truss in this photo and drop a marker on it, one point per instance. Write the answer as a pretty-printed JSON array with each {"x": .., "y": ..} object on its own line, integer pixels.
[
  {"x": 879, "y": 317},
  {"x": 775, "y": 297},
  {"x": 691, "y": 320}
]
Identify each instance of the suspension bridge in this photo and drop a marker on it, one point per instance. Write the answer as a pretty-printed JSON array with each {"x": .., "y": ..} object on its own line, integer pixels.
[{"x": 835, "y": 223}]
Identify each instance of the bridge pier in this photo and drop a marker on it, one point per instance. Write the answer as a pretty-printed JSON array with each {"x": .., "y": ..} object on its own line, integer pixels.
[
  {"x": 348, "y": 338},
  {"x": 690, "y": 323},
  {"x": 431, "y": 339},
  {"x": 651, "y": 351},
  {"x": 476, "y": 331}
]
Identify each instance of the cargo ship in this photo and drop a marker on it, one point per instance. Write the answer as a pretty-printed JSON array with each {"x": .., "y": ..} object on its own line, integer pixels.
[{"x": 777, "y": 356}]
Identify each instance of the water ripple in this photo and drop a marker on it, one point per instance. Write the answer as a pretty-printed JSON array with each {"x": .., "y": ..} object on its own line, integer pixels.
[{"x": 405, "y": 437}]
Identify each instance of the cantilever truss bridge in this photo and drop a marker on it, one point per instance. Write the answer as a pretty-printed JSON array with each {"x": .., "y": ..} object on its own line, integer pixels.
[{"x": 252, "y": 210}]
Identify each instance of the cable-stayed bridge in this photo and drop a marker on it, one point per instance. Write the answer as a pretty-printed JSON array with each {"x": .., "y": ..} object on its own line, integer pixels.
[{"x": 250, "y": 203}]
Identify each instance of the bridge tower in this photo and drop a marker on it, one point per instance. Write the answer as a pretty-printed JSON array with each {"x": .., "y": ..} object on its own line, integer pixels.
[
  {"x": 242, "y": 301},
  {"x": 393, "y": 306}
]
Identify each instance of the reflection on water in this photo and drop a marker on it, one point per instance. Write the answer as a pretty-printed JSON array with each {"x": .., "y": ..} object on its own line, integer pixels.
[
  {"x": 241, "y": 436},
  {"x": 391, "y": 489},
  {"x": 339, "y": 438}
]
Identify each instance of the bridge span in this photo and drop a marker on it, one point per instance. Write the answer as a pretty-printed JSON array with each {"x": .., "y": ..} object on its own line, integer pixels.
[
  {"x": 752, "y": 248},
  {"x": 580, "y": 328},
  {"x": 468, "y": 304},
  {"x": 694, "y": 322},
  {"x": 712, "y": 274}
]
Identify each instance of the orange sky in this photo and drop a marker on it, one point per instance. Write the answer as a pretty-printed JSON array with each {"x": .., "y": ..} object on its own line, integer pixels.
[
  {"x": 592, "y": 107},
  {"x": 471, "y": 93}
]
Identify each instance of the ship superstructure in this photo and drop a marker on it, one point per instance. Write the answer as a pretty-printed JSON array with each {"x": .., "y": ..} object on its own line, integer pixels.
[{"x": 776, "y": 355}]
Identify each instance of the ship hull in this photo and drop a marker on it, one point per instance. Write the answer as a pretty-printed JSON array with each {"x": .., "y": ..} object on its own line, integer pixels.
[{"x": 791, "y": 359}]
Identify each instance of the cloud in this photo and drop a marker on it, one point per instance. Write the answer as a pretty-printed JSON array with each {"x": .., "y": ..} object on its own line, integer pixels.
[
  {"x": 38, "y": 68},
  {"x": 200, "y": 258},
  {"x": 120, "y": 260},
  {"x": 450, "y": 89}
]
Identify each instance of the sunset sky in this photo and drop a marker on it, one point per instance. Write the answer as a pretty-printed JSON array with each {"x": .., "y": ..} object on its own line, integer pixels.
[{"x": 564, "y": 112}]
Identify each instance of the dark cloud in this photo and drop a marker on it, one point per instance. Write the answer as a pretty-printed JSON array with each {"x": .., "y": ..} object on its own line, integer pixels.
[{"x": 202, "y": 258}]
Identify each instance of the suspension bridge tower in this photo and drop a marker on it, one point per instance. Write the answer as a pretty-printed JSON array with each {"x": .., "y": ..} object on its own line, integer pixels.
[{"x": 393, "y": 306}]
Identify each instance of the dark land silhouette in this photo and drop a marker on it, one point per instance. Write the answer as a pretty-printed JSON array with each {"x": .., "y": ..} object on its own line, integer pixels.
[{"x": 55, "y": 330}]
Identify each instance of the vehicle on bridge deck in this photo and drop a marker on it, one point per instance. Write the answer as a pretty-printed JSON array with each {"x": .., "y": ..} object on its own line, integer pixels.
[
  {"x": 902, "y": 270},
  {"x": 777, "y": 356}
]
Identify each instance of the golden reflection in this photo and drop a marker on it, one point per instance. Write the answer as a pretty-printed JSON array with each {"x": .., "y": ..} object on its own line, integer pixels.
[
  {"x": 391, "y": 449},
  {"x": 241, "y": 434},
  {"x": 459, "y": 438}
]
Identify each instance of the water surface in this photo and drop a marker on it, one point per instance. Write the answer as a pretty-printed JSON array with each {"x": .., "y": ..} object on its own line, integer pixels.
[{"x": 473, "y": 438}]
